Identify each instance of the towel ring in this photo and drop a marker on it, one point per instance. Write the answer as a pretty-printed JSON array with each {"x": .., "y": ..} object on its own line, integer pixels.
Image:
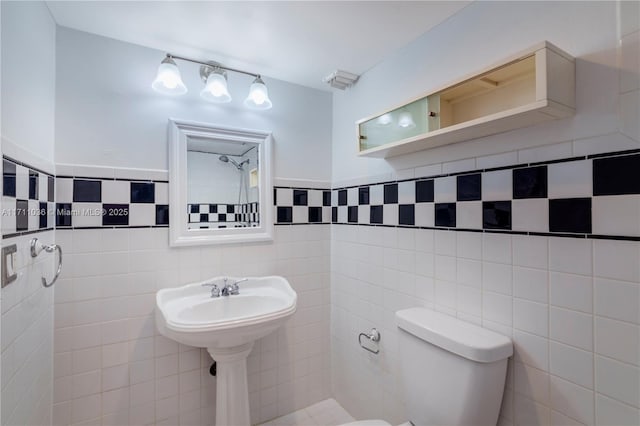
[{"x": 37, "y": 247}]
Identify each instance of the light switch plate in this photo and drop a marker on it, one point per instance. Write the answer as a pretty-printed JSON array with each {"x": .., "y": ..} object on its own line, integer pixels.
[{"x": 9, "y": 273}]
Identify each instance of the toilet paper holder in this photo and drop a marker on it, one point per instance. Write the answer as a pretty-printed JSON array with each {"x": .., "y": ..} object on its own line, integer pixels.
[{"x": 373, "y": 336}]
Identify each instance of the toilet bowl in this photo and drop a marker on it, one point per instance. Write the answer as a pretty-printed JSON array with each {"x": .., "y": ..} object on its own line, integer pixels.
[{"x": 453, "y": 372}]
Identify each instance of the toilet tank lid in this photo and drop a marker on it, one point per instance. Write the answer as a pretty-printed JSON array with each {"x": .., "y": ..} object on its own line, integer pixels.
[{"x": 462, "y": 338}]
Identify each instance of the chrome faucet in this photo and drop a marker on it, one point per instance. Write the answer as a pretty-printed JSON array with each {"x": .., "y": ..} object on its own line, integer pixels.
[{"x": 227, "y": 289}]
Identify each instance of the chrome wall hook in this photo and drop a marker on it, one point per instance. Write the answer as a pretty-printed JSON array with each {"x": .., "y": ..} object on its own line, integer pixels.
[
  {"x": 373, "y": 336},
  {"x": 37, "y": 247}
]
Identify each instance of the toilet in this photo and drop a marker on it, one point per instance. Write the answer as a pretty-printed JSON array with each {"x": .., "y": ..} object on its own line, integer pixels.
[{"x": 453, "y": 372}]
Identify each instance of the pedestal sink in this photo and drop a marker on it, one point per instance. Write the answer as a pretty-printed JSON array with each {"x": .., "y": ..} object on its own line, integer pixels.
[{"x": 227, "y": 326}]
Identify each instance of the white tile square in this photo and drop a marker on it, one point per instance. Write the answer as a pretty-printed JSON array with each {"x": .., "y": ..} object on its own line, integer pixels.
[
  {"x": 376, "y": 194},
  {"x": 390, "y": 214},
  {"x": 162, "y": 192},
  {"x": 616, "y": 259},
  {"x": 445, "y": 293},
  {"x": 617, "y": 380},
  {"x": 571, "y": 179},
  {"x": 86, "y": 214},
  {"x": 571, "y": 255},
  {"x": 530, "y": 215},
  {"x": 352, "y": 196},
  {"x": 300, "y": 214},
  {"x": 334, "y": 198},
  {"x": 497, "y": 185},
  {"x": 531, "y": 349},
  {"x": 33, "y": 214},
  {"x": 64, "y": 190},
  {"x": 407, "y": 192},
  {"x": 142, "y": 214},
  {"x": 469, "y": 245},
  {"x": 617, "y": 299},
  {"x": 616, "y": 215},
  {"x": 531, "y": 317},
  {"x": 530, "y": 284},
  {"x": 445, "y": 189},
  {"x": 314, "y": 197},
  {"x": 497, "y": 308},
  {"x": 342, "y": 214},
  {"x": 618, "y": 340},
  {"x": 531, "y": 251},
  {"x": 612, "y": 412},
  {"x": 571, "y": 364},
  {"x": 528, "y": 412},
  {"x": 571, "y": 327},
  {"x": 9, "y": 215},
  {"x": 469, "y": 215},
  {"x": 116, "y": 192},
  {"x": 469, "y": 272},
  {"x": 364, "y": 214},
  {"x": 424, "y": 214},
  {"x": 496, "y": 248},
  {"x": 469, "y": 300},
  {"x": 43, "y": 187},
  {"x": 284, "y": 197},
  {"x": 497, "y": 277},
  {"x": 572, "y": 400},
  {"x": 571, "y": 291},
  {"x": 326, "y": 214},
  {"x": 531, "y": 382}
]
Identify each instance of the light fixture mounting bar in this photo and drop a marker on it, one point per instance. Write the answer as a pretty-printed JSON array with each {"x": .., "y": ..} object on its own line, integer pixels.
[{"x": 182, "y": 58}]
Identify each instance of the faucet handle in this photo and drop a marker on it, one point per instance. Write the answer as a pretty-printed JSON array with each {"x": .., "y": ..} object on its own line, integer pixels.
[
  {"x": 215, "y": 291},
  {"x": 235, "y": 288}
]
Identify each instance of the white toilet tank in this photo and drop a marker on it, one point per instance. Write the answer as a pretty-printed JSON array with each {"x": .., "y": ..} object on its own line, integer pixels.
[{"x": 453, "y": 372}]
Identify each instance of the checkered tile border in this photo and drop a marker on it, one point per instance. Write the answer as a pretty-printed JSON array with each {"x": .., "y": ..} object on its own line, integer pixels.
[
  {"x": 27, "y": 199},
  {"x": 594, "y": 196},
  {"x": 217, "y": 215},
  {"x": 297, "y": 206}
]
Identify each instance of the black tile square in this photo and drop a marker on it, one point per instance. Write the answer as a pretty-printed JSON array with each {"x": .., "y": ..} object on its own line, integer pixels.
[
  {"x": 363, "y": 195},
  {"x": 496, "y": 215},
  {"x": 51, "y": 184},
  {"x": 326, "y": 198},
  {"x": 63, "y": 214},
  {"x": 213, "y": 208},
  {"x": 300, "y": 197},
  {"x": 424, "y": 191},
  {"x": 445, "y": 214},
  {"x": 315, "y": 214},
  {"x": 143, "y": 192},
  {"x": 87, "y": 191},
  {"x": 222, "y": 217},
  {"x": 115, "y": 214},
  {"x": 285, "y": 214},
  {"x": 391, "y": 193},
  {"x": 570, "y": 215},
  {"x": 275, "y": 196},
  {"x": 352, "y": 214},
  {"x": 334, "y": 214},
  {"x": 194, "y": 208},
  {"x": 469, "y": 187},
  {"x": 42, "y": 215},
  {"x": 406, "y": 214},
  {"x": 22, "y": 217},
  {"x": 530, "y": 182},
  {"x": 204, "y": 217},
  {"x": 375, "y": 214},
  {"x": 162, "y": 214},
  {"x": 8, "y": 178},
  {"x": 34, "y": 183},
  {"x": 616, "y": 175},
  {"x": 231, "y": 208},
  {"x": 342, "y": 197}
]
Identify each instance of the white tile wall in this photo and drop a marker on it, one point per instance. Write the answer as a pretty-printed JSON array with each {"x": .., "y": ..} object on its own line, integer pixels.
[
  {"x": 546, "y": 306},
  {"x": 111, "y": 365}
]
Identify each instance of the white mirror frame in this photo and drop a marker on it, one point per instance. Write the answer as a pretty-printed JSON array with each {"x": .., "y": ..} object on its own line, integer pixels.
[{"x": 179, "y": 234}]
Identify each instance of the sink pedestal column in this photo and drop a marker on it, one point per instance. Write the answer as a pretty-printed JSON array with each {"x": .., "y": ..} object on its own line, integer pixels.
[{"x": 232, "y": 392}]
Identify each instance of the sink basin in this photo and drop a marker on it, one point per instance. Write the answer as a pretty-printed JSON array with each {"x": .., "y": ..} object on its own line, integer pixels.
[
  {"x": 227, "y": 326},
  {"x": 190, "y": 315}
]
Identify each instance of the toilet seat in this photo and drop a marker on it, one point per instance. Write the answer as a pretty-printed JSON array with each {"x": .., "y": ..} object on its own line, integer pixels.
[{"x": 368, "y": 423}]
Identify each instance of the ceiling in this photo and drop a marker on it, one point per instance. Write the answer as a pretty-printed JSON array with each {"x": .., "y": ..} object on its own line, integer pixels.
[{"x": 300, "y": 42}]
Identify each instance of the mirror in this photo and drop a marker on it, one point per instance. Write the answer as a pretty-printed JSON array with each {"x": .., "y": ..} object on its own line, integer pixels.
[{"x": 220, "y": 184}]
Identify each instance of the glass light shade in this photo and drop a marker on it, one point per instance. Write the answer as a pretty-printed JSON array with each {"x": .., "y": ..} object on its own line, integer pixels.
[
  {"x": 258, "y": 96},
  {"x": 215, "y": 90},
  {"x": 168, "y": 80},
  {"x": 405, "y": 120},
  {"x": 384, "y": 120}
]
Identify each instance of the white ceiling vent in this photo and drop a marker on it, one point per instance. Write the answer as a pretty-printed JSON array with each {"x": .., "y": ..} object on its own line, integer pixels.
[{"x": 341, "y": 79}]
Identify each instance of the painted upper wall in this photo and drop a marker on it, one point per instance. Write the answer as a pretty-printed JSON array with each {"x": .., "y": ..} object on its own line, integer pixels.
[
  {"x": 481, "y": 34},
  {"x": 108, "y": 115},
  {"x": 28, "y": 77}
]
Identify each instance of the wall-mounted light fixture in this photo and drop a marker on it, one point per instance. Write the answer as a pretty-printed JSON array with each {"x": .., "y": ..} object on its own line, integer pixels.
[{"x": 168, "y": 81}]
